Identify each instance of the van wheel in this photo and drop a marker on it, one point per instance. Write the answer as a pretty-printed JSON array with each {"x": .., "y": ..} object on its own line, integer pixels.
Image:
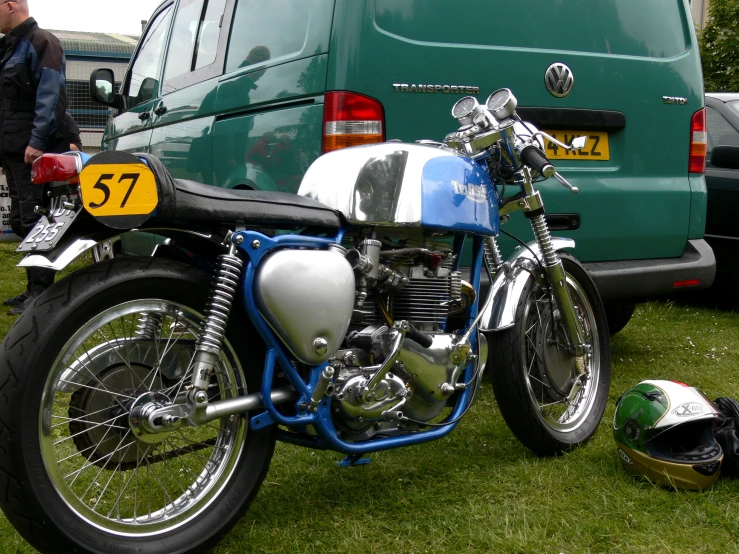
[{"x": 618, "y": 315}]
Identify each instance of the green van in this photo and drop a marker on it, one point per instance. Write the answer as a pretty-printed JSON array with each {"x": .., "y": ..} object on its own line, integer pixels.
[{"x": 248, "y": 93}]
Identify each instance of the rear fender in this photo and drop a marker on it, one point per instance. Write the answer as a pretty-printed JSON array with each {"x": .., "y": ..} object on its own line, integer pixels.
[
  {"x": 510, "y": 283},
  {"x": 74, "y": 245}
]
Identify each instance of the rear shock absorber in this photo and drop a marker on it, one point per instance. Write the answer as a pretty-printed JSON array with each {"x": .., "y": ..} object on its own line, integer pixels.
[{"x": 208, "y": 347}]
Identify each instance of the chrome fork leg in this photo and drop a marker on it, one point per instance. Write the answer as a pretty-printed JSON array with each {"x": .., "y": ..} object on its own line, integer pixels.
[
  {"x": 208, "y": 347},
  {"x": 558, "y": 279}
]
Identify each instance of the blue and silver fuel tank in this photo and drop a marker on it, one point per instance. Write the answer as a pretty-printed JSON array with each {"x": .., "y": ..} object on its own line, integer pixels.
[{"x": 405, "y": 185}]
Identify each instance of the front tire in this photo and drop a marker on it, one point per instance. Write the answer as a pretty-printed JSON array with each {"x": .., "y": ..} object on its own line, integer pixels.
[
  {"x": 545, "y": 400},
  {"x": 74, "y": 474}
]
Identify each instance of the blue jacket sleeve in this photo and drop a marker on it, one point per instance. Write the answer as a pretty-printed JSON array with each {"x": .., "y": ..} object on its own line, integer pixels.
[{"x": 48, "y": 66}]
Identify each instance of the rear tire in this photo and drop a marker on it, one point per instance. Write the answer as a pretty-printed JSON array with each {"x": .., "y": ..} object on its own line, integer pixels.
[
  {"x": 218, "y": 479},
  {"x": 533, "y": 375}
]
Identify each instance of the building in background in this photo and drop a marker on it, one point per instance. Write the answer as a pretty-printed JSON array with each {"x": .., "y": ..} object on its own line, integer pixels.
[
  {"x": 700, "y": 13},
  {"x": 86, "y": 52}
]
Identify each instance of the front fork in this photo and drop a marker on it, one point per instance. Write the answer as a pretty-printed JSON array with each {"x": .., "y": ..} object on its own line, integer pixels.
[{"x": 533, "y": 208}]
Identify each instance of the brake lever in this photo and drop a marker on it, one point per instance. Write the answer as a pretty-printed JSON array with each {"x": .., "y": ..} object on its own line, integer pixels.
[
  {"x": 565, "y": 183},
  {"x": 578, "y": 143}
]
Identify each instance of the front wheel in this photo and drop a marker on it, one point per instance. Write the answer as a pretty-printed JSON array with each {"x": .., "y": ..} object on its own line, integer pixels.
[
  {"x": 551, "y": 399},
  {"x": 77, "y": 473}
]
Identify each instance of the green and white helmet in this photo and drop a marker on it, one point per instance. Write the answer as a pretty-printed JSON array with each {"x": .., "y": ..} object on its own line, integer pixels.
[{"x": 664, "y": 430}]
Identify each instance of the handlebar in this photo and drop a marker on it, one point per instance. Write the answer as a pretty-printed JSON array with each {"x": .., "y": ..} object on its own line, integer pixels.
[{"x": 535, "y": 158}]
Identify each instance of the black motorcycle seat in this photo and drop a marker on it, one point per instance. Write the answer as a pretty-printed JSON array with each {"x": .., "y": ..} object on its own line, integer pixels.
[
  {"x": 206, "y": 203},
  {"x": 180, "y": 199}
]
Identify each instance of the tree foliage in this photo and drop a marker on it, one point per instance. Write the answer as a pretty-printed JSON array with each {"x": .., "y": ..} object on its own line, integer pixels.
[{"x": 719, "y": 44}]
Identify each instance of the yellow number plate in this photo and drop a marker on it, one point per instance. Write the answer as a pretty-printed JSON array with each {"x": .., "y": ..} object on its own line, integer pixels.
[
  {"x": 118, "y": 189},
  {"x": 596, "y": 149}
]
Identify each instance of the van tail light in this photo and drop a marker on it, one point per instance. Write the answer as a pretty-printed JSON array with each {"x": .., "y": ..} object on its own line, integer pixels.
[
  {"x": 687, "y": 283},
  {"x": 351, "y": 119},
  {"x": 698, "y": 142},
  {"x": 54, "y": 167}
]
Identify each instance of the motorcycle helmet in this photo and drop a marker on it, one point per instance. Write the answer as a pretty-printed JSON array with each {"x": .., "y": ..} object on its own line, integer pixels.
[{"x": 664, "y": 431}]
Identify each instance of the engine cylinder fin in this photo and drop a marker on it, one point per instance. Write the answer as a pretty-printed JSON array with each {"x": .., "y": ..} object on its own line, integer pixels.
[{"x": 423, "y": 300}]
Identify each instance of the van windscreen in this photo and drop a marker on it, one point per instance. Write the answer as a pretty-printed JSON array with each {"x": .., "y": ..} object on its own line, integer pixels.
[{"x": 654, "y": 28}]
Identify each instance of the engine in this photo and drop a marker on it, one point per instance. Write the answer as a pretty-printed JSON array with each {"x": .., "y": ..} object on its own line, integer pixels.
[{"x": 397, "y": 367}]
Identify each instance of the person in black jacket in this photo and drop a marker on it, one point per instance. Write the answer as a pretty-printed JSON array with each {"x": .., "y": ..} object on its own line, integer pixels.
[
  {"x": 75, "y": 142},
  {"x": 33, "y": 107}
]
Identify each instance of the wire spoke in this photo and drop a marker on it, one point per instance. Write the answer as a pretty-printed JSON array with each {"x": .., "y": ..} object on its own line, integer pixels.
[
  {"x": 81, "y": 418},
  {"x": 85, "y": 431},
  {"x": 112, "y": 475},
  {"x": 97, "y": 389},
  {"x": 99, "y": 472}
]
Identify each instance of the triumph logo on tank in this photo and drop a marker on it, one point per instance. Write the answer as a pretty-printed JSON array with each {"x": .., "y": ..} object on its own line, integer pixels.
[
  {"x": 689, "y": 409},
  {"x": 476, "y": 193}
]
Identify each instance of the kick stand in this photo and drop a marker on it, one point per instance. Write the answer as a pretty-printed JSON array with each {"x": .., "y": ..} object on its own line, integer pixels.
[{"x": 353, "y": 460}]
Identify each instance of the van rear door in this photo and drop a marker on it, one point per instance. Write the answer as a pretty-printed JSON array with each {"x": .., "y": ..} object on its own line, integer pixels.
[{"x": 419, "y": 57}]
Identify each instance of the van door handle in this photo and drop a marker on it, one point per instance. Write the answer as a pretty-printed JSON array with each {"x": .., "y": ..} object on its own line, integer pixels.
[
  {"x": 143, "y": 116},
  {"x": 161, "y": 110}
]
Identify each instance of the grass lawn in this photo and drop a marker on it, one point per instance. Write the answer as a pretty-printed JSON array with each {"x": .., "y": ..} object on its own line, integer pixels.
[{"x": 479, "y": 490}]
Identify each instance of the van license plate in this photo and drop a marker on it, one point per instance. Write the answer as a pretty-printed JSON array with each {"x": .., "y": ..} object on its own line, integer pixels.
[{"x": 596, "y": 149}]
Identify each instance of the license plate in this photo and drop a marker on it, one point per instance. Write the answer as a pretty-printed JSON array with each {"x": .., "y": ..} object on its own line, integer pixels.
[
  {"x": 46, "y": 234},
  {"x": 597, "y": 147}
]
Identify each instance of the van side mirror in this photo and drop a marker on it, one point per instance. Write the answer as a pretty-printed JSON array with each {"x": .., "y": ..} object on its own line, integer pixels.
[
  {"x": 726, "y": 157},
  {"x": 102, "y": 88}
]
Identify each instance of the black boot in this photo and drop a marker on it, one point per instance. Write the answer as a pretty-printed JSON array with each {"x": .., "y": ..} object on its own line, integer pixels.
[
  {"x": 18, "y": 310},
  {"x": 39, "y": 279},
  {"x": 16, "y": 300}
]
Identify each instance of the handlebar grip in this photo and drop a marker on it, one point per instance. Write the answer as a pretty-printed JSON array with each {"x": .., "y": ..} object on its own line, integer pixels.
[{"x": 535, "y": 158}]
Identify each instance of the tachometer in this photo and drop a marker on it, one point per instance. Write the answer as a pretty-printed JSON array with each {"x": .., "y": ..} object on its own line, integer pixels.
[{"x": 502, "y": 104}]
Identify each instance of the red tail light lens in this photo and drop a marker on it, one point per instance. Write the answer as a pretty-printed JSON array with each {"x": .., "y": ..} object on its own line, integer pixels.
[
  {"x": 351, "y": 119},
  {"x": 54, "y": 167},
  {"x": 687, "y": 283},
  {"x": 698, "y": 142}
]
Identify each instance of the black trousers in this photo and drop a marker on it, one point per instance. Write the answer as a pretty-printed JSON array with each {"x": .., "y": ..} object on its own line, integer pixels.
[{"x": 24, "y": 197}]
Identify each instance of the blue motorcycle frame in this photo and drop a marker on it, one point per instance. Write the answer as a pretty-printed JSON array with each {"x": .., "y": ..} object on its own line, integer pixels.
[{"x": 328, "y": 437}]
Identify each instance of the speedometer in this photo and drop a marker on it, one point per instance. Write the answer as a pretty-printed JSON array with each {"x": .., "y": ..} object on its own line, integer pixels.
[
  {"x": 465, "y": 109},
  {"x": 502, "y": 104}
]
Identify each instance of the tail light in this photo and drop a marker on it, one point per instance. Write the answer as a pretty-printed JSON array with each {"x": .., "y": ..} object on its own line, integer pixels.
[
  {"x": 351, "y": 119},
  {"x": 698, "y": 142},
  {"x": 686, "y": 283},
  {"x": 54, "y": 167}
]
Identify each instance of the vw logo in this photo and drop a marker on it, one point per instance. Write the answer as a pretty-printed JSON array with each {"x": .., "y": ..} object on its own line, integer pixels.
[{"x": 559, "y": 80}]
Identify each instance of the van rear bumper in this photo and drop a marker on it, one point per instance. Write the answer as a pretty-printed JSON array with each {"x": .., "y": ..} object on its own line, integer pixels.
[{"x": 639, "y": 278}]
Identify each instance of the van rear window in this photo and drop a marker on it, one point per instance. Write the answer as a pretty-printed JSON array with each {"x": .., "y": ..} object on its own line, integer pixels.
[{"x": 654, "y": 28}]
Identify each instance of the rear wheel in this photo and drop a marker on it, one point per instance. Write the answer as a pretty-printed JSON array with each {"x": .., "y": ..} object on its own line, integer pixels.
[
  {"x": 78, "y": 472},
  {"x": 551, "y": 399}
]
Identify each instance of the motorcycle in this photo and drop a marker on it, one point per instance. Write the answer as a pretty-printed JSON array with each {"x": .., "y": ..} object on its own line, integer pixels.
[{"x": 143, "y": 397}]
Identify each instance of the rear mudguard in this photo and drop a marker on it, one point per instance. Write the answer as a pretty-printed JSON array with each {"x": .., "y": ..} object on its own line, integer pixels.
[
  {"x": 510, "y": 282},
  {"x": 74, "y": 244}
]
